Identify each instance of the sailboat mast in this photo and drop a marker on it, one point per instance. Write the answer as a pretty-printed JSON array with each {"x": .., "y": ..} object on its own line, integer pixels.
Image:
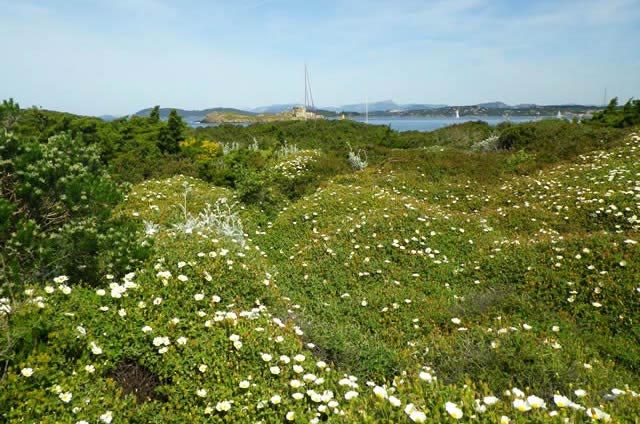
[
  {"x": 312, "y": 104},
  {"x": 306, "y": 95}
]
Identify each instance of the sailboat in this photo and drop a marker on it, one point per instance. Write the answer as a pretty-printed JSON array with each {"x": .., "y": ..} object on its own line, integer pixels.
[{"x": 457, "y": 114}]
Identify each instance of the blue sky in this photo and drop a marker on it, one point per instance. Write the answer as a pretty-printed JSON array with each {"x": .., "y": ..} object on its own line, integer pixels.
[{"x": 118, "y": 56}]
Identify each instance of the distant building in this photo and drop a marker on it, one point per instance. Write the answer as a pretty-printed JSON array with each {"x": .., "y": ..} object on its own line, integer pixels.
[{"x": 300, "y": 112}]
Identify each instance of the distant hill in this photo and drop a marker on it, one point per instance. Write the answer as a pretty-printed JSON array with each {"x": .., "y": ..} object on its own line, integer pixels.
[
  {"x": 383, "y": 106},
  {"x": 192, "y": 115},
  {"x": 275, "y": 108},
  {"x": 108, "y": 118},
  {"x": 493, "y": 105}
]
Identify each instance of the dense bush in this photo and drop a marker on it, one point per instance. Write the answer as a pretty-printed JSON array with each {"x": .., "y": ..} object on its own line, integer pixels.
[
  {"x": 554, "y": 140},
  {"x": 56, "y": 208}
]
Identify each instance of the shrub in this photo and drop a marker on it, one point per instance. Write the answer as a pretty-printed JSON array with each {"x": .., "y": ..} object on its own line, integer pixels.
[{"x": 56, "y": 203}]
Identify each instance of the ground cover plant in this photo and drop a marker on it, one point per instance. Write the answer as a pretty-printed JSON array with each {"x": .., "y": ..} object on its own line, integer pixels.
[{"x": 473, "y": 274}]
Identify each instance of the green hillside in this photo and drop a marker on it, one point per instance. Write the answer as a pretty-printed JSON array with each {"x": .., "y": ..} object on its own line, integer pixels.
[{"x": 318, "y": 271}]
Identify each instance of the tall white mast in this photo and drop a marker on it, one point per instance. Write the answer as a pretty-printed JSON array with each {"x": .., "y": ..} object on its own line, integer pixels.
[{"x": 306, "y": 95}]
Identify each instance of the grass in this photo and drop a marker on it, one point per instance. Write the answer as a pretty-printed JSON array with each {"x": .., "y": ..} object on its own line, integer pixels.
[{"x": 431, "y": 276}]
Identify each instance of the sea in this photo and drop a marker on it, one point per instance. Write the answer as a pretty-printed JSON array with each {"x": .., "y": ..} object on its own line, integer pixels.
[{"x": 423, "y": 123}]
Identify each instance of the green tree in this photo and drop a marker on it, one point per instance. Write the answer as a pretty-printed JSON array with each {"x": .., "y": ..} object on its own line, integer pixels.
[
  {"x": 9, "y": 113},
  {"x": 171, "y": 135},
  {"x": 154, "y": 116}
]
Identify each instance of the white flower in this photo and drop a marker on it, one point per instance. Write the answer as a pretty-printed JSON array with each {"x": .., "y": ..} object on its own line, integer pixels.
[
  {"x": 298, "y": 369},
  {"x": 527, "y": 327},
  {"x": 521, "y": 405},
  {"x": 65, "y": 397},
  {"x": 95, "y": 349},
  {"x": 202, "y": 393},
  {"x": 198, "y": 296},
  {"x": 617, "y": 392},
  {"x": 517, "y": 392},
  {"x": 597, "y": 414},
  {"x": 453, "y": 410},
  {"x": 425, "y": 376},
  {"x": 350, "y": 395},
  {"x": 380, "y": 392},
  {"x": 203, "y": 368},
  {"x": 27, "y": 372},
  {"x": 535, "y": 402},
  {"x": 244, "y": 384},
  {"x": 181, "y": 340},
  {"x": 60, "y": 279},
  {"x": 275, "y": 370},
  {"x": 90, "y": 368},
  {"x": 266, "y": 357},
  {"x": 490, "y": 400},
  {"x": 147, "y": 329},
  {"x": 417, "y": 416},
  {"x": 291, "y": 416},
  {"x": 296, "y": 384},
  {"x": 299, "y": 358},
  {"x": 561, "y": 401},
  {"x": 122, "y": 312},
  {"x": 580, "y": 393},
  {"x": 106, "y": 417},
  {"x": 275, "y": 399},
  {"x": 505, "y": 420},
  {"x": 223, "y": 406},
  {"x": 297, "y": 396},
  {"x": 65, "y": 289},
  {"x": 394, "y": 401},
  {"x": 234, "y": 337},
  {"x": 456, "y": 321},
  {"x": 183, "y": 278}
]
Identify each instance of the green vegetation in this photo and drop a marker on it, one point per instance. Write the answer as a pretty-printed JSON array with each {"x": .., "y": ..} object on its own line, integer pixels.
[
  {"x": 318, "y": 271},
  {"x": 619, "y": 117}
]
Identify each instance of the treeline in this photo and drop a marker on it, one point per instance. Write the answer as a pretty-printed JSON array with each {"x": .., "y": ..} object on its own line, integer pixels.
[{"x": 619, "y": 117}]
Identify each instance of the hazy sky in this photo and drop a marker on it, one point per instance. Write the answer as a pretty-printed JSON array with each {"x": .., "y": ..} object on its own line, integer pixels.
[{"x": 118, "y": 56}]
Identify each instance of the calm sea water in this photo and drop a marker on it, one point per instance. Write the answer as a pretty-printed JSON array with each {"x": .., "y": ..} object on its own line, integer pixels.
[{"x": 425, "y": 123}]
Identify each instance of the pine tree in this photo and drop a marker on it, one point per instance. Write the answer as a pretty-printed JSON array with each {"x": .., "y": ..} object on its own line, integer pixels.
[
  {"x": 154, "y": 116},
  {"x": 9, "y": 113},
  {"x": 172, "y": 134}
]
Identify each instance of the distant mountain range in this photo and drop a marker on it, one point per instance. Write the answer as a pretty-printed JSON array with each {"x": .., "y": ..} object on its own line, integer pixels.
[{"x": 384, "y": 107}]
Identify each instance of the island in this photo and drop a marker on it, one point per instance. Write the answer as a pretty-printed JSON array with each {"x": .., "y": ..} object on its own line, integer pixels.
[{"x": 297, "y": 113}]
